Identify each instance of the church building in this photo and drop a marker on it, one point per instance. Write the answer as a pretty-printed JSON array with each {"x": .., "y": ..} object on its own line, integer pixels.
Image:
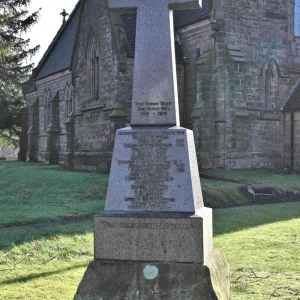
[{"x": 238, "y": 74}]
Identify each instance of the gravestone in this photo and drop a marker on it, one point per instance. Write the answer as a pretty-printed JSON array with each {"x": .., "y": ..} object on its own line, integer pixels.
[{"x": 154, "y": 239}]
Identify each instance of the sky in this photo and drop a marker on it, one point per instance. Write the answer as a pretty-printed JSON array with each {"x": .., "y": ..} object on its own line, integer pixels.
[{"x": 49, "y": 23}]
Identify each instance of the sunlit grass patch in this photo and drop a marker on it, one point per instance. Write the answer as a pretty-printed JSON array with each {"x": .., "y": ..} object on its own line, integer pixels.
[
  {"x": 49, "y": 264},
  {"x": 262, "y": 246}
]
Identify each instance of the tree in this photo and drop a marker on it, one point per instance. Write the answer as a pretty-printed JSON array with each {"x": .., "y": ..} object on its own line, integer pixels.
[{"x": 15, "y": 21}]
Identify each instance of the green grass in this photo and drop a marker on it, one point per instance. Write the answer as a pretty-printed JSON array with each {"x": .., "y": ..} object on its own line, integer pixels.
[
  {"x": 263, "y": 177},
  {"x": 47, "y": 259},
  {"x": 262, "y": 246},
  {"x": 221, "y": 192},
  {"x": 48, "y": 264},
  {"x": 36, "y": 192},
  {"x": 262, "y": 240}
]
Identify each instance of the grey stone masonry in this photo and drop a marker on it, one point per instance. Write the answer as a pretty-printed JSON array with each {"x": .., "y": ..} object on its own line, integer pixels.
[
  {"x": 154, "y": 169},
  {"x": 32, "y": 153},
  {"x": 237, "y": 61},
  {"x": 155, "y": 281},
  {"x": 184, "y": 238},
  {"x": 155, "y": 97},
  {"x": 53, "y": 131},
  {"x": 154, "y": 210},
  {"x": 69, "y": 155},
  {"x": 23, "y": 135}
]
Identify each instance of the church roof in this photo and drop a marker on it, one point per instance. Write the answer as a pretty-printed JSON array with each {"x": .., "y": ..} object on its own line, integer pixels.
[
  {"x": 59, "y": 54},
  {"x": 292, "y": 102}
]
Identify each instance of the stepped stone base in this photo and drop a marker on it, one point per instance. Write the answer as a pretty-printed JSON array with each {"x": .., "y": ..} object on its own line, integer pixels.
[{"x": 133, "y": 280}]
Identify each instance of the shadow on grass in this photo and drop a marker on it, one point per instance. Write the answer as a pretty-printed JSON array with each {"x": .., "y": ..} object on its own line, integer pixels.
[
  {"x": 18, "y": 235},
  {"x": 17, "y": 164},
  {"x": 240, "y": 218},
  {"x": 24, "y": 279}
]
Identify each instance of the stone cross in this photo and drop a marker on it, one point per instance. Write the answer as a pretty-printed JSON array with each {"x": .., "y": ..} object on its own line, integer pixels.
[
  {"x": 64, "y": 14},
  {"x": 154, "y": 221},
  {"x": 155, "y": 96}
]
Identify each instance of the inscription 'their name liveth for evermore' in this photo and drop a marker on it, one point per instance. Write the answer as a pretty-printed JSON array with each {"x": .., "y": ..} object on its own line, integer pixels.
[{"x": 150, "y": 225}]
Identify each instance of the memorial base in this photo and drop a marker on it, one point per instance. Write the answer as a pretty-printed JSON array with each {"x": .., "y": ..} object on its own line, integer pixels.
[
  {"x": 133, "y": 280},
  {"x": 145, "y": 256},
  {"x": 165, "y": 237}
]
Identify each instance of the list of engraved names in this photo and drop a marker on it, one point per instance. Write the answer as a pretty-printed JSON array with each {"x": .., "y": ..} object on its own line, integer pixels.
[{"x": 150, "y": 169}]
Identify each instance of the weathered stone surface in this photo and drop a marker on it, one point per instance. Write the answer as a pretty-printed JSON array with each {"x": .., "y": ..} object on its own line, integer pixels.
[
  {"x": 115, "y": 280},
  {"x": 23, "y": 135},
  {"x": 53, "y": 130},
  {"x": 155, "y": 96},
  {"x": 220, "y": 275},
  {"x": 154, "y": 237},
  {"x": 210, "y": 87},
  {"x": 154, "y": 169},
  {"x": 33, "y": 127}
]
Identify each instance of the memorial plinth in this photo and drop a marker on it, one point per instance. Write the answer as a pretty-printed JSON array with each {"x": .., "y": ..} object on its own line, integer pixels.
[
  {"x": 154, "y": 239},
  {"x": 154, "y": 170}
]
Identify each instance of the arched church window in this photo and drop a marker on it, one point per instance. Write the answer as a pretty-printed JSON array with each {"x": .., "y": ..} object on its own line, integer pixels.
[
  {"x": 297, "y": 18},
  {"x": 93, "y": 65},
  {"x": 68, "y": 98},
  {"x": 268, "y": 92},
  {"x": 270, "y": 74},
  {"x": 47, "y": 108}
]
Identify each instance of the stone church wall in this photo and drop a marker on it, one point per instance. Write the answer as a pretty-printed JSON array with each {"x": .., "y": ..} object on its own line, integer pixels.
[
  {"x": 96, "y": 119},
  {"x": 55, "y": 84},
  {"x": 292, "y": 153},
  {"x": 198, "y": 42},
  {"x": 249, "y": 38},
  {"x": 31, "y": 128},
  {"x": 297, "y": 141},
  {"x": 242, "y": 63},
  {"x": 194, "y": 39}
]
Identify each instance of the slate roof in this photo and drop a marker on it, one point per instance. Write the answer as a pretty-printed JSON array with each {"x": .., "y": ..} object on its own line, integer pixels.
[
  {"x": 189, "y": 16},
  {"x": 292, "y": 102},
  {"x": 59, "y": 54},
  {"x": 181, "y": 18}
]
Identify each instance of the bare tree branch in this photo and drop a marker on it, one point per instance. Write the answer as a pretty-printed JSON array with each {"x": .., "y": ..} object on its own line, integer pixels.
[{"x": 283, "y": 288}]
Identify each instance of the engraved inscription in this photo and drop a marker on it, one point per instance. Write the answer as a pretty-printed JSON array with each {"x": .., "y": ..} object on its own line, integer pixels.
[
  {"x": 150, "y": 170},
  {"x": 275, "y": 15},
  {"x": 151, "y": 225},
  {"x": 162, "y": 132},
  {"x": 180, "y": 142},
  {"x": 179, "y": 165},
  {"x": 159, "y": 108}
]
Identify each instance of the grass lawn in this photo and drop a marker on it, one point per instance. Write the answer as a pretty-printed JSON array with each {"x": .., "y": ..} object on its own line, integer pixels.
[
  {"x": 224, "y": 188},
  {"x": 37, "y": 192},
  {"x": 45, "y": 246},
  {"x": 263, "y": 177},
  {"x": 262, "y": 246}
]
